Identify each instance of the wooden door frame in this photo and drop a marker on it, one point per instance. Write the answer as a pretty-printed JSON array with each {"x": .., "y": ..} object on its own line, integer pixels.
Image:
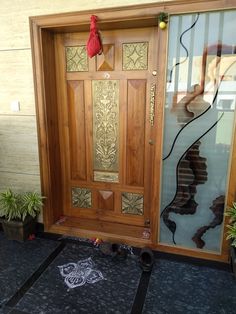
[{"x": 43, "y": 29}]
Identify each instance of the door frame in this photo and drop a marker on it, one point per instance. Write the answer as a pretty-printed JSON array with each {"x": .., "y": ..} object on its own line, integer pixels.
[{"x": 43, "y": 30}]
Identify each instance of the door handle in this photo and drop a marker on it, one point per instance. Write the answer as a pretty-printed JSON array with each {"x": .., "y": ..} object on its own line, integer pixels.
[{"x": 152, "y": 104}]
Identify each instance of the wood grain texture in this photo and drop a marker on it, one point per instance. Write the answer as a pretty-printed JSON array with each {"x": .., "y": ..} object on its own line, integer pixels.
[
  {"x": 105, "y": 200},
  {"x": 136, "y": 109},
  {"x": 16, "y": 82},
  {"x": 75, "y": 93},
  {"x": 19, "y": 148}
]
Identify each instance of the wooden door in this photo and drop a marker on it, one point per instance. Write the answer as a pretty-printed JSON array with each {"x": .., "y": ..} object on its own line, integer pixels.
[{"x": 106, "y": 122}]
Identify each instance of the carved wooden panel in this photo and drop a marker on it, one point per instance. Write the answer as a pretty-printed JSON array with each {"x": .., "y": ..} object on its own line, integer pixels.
[
  {"x": 135, "y": 132},
  {"x": 135, "y": 56},
  {"x": 76, "y": 59},
  {"x": 81, "y": 197},
  {"x": 76, "y": 119},
  {"x": 107, "y": 114},
  {"x": 132, "y": 203},
  {"x": 105, "y": 124},
  {"x": 105, "y": 61},
  {"x": 105, "y": 200}
]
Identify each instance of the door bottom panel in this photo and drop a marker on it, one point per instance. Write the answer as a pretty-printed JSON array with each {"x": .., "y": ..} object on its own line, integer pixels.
[{"x": 108, "y": 231}]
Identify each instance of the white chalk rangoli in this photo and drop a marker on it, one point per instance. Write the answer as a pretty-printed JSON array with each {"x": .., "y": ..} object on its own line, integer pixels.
[{"x": 80, "y": 273}]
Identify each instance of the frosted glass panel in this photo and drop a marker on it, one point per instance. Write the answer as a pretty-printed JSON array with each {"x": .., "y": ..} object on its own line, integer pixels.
[{"x": 199, "y": 121}]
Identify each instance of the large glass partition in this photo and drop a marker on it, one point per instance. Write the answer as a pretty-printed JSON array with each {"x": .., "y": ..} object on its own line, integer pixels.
[{"x": 198, "y": 128}]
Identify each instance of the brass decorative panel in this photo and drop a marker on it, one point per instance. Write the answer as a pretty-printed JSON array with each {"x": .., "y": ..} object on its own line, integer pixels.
[
  {"x": 105, "y": 124},
  {"x": 132, "y": 203},
  {"x": 135, "y": 56},
  {"x": 81, "y": 197},
  {"x": 106, "y": 61},
  {"x": 106, "y": 176},
  {"x": 76, "y": 59},
  {"x": 152, "y": 104}
]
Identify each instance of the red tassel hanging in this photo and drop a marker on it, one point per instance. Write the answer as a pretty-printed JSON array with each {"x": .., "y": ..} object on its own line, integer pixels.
[{"x": 94, "y": 44}]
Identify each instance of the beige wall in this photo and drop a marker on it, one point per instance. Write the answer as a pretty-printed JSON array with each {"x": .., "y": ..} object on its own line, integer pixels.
[{"x": 19, "y": 162}]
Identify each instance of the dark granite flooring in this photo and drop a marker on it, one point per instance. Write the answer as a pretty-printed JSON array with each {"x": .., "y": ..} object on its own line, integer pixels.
[
  {"x": 18, "y": 262},
  {"x": 176, "y": 287},
  {"x": 114, "y": 294},
  {"x": 31, "y": 282}
]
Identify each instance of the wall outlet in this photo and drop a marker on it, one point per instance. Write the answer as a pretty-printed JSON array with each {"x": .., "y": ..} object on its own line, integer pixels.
[{"x": 15, "y": 105}]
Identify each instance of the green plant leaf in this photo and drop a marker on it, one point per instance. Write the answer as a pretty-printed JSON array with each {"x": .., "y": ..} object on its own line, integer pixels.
[{"x": 19, "y": 205}]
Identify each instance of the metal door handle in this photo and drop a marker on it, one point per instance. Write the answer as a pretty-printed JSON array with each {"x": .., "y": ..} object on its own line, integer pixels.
[{"x": 152, "y": 104}]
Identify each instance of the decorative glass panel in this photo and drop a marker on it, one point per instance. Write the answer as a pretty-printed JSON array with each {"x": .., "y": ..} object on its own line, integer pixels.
[
  {"x": 199, "y": 117},
  {"x": 105, "y": 126},
  {"x": 76, "y": 59},
  {"x": 132, "y": 203},
  {"x": 135, "y": 56},
  {"x": 81, "y": 197}
]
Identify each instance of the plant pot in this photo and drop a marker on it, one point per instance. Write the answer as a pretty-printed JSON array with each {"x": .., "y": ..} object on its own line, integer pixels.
[
  {"x": 233, "y": 259},
  {"x": 19, "y": 230}
]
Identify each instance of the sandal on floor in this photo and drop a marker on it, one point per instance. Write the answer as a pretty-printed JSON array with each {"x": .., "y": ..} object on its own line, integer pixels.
[{"x": 146, "y": 259}]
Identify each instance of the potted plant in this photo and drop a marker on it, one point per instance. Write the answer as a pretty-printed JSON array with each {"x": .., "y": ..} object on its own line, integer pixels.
[
  {"x": 19, "y": 212},
  {"x": 231, "y": 233}
]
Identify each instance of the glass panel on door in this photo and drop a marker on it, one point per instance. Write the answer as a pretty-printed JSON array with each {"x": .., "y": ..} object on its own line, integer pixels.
[{"x": 199, "y": 122}]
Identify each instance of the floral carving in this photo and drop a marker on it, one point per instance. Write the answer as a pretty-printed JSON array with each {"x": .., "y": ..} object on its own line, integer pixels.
[
  {"x": 81, "y": 198},
  {"x": 132, "y": 203},
  {"x": 105, "y": 124}
]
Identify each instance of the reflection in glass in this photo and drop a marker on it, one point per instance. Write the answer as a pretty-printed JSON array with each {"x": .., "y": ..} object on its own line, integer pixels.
[{"x": 199, "y": 118}]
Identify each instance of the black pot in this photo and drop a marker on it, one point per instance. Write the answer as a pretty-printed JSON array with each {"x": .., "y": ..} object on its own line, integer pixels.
[
  {"x": 233, "y": 259},
  {"x": 19, "y": 230}
]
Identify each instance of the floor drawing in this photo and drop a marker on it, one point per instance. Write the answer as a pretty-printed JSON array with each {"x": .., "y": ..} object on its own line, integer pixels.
[{"x": 80, "y": 273}]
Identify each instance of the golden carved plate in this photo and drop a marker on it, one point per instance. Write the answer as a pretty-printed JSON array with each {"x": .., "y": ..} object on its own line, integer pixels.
[
  {"x": 76, "y": 59},
  {"x": 105, "y": 125},
  {"x": 135, "y": 56}
]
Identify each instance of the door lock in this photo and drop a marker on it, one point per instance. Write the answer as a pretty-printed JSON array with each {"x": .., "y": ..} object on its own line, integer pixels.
[{"x": 147, "y": 222}]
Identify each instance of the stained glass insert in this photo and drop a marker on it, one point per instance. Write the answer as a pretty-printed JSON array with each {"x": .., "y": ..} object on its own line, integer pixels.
[
  {"x": 135, "y": 56},
  {"x": 132, "y": 203},
  {"x": 81, "y": 197},
  {"x": 76, "y": 59}
]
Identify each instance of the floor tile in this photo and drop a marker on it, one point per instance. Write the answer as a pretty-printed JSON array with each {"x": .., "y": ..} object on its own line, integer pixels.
[
  {"x": 115, "y": 294},
  {"x": 189, "y": 289},
  {"x": 18, "y": 261}
]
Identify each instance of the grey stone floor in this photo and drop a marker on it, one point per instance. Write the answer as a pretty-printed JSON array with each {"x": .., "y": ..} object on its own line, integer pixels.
[{"x": 43, "y": 277}]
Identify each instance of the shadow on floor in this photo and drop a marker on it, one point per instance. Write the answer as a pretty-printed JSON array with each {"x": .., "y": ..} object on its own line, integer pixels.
[{"x": 72, "y": 276}]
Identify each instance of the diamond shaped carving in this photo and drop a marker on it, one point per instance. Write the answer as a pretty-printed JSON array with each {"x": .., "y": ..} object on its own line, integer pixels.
[
  {"x": 76, "y": 59},
  {"x": 135, "y": 56},
  {"x": 105, "y": 61},
  {"x": 105, "y": 200}
]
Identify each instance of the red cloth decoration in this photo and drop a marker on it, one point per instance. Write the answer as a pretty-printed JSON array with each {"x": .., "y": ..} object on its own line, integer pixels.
[{"x": 94, "y": 44}]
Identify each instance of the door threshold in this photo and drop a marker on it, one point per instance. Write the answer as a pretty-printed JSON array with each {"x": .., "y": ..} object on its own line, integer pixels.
[{"x": 106, "y": 231}]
